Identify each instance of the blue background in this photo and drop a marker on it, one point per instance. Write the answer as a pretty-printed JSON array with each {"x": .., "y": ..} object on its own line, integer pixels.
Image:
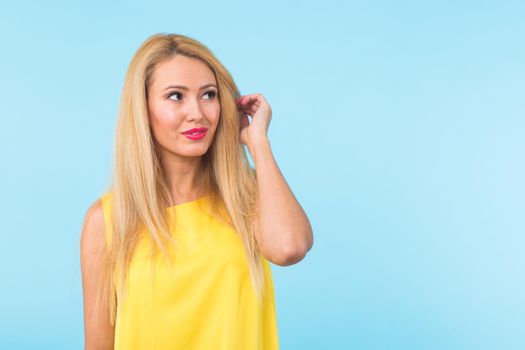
[{"x": 398, "y": 125}]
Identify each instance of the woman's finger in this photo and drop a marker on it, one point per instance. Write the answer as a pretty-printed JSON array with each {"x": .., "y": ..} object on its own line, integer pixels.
[
  {"x": 249, "y": 103},
  {"x": 249, "y": 109},
  {"x": 245, "y": 98}
]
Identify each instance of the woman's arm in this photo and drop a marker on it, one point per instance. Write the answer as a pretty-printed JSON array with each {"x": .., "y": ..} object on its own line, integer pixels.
[
  {"x": 285, "y": 234},
  {"x": 98, "y": 333}
]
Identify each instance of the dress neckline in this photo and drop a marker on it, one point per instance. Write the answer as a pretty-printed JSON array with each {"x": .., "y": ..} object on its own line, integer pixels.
[{"x": 188, "y": 203}]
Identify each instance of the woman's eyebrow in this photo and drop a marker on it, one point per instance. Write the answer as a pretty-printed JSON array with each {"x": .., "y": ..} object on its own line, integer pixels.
[{"x": 186, "y": 88}]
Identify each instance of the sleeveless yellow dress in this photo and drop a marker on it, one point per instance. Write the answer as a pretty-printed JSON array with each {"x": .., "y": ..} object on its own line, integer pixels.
[{"x": 205, "y": 302}]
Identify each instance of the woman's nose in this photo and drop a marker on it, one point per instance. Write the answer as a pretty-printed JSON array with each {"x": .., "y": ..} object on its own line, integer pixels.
[{"x": 194, "y": 110}]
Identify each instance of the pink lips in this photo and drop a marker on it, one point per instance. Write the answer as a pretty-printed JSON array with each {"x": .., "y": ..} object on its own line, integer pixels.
[{"x": 195, "y": 133}]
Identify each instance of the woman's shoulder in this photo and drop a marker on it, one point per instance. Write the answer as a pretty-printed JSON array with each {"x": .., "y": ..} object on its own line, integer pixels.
[
  {"x": 97, "y": 226},
  {"x": 93, "y": 228}
]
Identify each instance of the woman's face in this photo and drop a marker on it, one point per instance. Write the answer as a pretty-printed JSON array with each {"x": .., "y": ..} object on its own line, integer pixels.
[{"x": 183, "y": 95}]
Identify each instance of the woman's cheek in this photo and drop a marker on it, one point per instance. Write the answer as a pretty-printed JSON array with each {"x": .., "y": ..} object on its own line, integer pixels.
[{"x": 217, "y": 113}]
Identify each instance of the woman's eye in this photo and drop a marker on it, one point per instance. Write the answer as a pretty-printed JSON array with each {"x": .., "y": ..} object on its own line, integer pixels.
[
  {"x": 211, "y": 93},
  {"x": 173, "y": 94}
]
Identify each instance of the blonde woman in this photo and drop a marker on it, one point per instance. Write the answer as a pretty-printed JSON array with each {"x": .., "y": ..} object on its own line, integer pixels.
[{"x": 175, "y": 253}]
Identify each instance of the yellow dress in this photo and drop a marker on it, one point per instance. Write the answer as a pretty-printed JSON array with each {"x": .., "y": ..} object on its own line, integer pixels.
[{"x": 206, "y": 301}]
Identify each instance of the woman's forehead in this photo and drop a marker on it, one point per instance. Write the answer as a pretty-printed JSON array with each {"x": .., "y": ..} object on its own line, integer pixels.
[{"x": 182, "y": 71}]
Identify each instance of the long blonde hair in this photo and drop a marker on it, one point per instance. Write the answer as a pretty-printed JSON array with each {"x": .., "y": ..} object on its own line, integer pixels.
[{"x": 139, "y": 189}]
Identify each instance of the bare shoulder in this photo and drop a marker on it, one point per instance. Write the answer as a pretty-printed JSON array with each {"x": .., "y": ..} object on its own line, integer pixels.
[
  {"x": 93, "y": 229},
  {"x": 98, "y": 331}
]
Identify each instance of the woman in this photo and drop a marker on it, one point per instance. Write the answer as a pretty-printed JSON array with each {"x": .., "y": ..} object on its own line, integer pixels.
[{"x": 182, "y": 186}]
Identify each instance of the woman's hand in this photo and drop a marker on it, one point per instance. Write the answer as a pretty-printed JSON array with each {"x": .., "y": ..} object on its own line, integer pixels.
[{"x": 256, "y": 106}]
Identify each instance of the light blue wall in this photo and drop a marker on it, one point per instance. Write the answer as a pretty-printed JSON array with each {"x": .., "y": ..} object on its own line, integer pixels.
[{"x": 399, "y": 126}]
